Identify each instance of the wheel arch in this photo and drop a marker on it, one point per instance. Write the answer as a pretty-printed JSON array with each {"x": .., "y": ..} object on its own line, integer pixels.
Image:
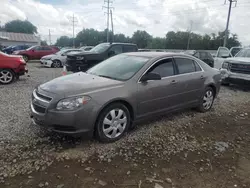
[
  {"x": 213, "y": 87},
  {"x": 122, "y": 101}
]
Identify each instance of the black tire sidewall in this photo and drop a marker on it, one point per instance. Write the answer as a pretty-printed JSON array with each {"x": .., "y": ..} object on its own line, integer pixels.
[
  {"x": 99, "y": 132},
  {"x": 56, "y": 61},
  {"x": 201, "y": 107},
  {"x": 13, "y": 76}
]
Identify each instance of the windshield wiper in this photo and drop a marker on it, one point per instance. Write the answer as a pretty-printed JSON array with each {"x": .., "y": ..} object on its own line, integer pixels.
[{"x": 104, "y": 76}]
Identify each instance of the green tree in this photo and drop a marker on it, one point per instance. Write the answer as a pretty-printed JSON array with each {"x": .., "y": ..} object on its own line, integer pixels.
[
  {"x": 64, "y": 41},
  {"x": 44, "y": 43},
  {"x": 141, "y": 38},
  {"x": 157, "y": 43},
  {"x": 18, "y": 26}
]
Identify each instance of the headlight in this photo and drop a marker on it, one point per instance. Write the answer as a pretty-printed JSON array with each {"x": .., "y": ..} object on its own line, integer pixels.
[
  {"x": 72, "y": 103},
  {"x": 79, "y": 58},
  {"x": 225, "y": 65}
]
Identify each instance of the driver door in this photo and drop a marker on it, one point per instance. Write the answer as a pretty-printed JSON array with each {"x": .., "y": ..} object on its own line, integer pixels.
[
  {"x": 221, "y": 54},
  {"x": 156, "y": 96}
]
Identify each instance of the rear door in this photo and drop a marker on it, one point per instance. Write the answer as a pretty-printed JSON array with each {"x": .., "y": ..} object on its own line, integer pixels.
[
  {"x": 221, "y": 54},
  {"x": 46, "y": 51},
  {"x": 190, "y": 81}
]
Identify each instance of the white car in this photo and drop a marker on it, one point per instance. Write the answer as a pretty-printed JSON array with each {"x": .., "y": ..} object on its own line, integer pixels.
[
  {"x": 236, "y": 70},
  {"x": 58, "y": 59}
]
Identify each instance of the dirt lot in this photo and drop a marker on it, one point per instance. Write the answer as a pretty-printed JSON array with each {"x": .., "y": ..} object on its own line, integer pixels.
[{"x": 186, "y": 149}]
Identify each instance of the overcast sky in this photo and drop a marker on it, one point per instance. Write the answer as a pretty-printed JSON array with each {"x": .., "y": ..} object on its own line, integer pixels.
[{"x": 157, "y": 17}]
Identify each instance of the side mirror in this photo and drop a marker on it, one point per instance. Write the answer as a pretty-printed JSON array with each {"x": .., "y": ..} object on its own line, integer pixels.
[
  {"x": 225, "y": 56},
  {"x": 150, "y": 76}
]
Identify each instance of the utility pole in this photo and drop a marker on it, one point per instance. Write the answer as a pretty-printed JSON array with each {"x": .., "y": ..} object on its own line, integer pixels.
[
  {"x": 112, "y": 25},
  {"x": 108, "y": 7},
  {"x": 189, "y": 34},
  {"x": 49, "y": 38},
  {"x": 73, "y": 24},
  {"x": 228, "y": 19}
]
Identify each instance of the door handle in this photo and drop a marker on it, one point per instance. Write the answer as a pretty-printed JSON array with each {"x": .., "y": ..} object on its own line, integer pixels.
[
  {"x": 173, "y": 82},
  {"x": 202, "y": 77}
]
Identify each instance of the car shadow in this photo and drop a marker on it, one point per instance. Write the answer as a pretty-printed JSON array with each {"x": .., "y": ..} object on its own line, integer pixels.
[{"x": 240, "y": 87}]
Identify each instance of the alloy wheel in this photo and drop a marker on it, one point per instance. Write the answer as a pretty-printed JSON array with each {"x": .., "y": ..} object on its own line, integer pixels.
[
  {"x": 6, "y": 76},
  {"x": 57, "y": 64},
  {"x": 208, "y": 99},
  {"x": 114, "y": 123}
]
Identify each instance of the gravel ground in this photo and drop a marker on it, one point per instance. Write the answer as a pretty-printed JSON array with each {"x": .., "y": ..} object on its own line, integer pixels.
[{"x": 25, "y": 149}]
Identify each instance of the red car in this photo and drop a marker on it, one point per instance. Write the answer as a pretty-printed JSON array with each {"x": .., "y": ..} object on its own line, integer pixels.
[
  {"x": 11, "y": 67},
  {"x": 36, "y": 52}
]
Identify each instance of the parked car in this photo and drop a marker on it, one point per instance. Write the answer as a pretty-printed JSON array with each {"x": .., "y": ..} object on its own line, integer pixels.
[
  {"x": 223, "y": 53},
  {"x": 11, "y": 67},
  {"x": 12, "y": 49},
  {"x": 58, "y": 59},
  {"x": 85, "y": 60},
  {"x": 202, "y": 55},
  {"x": 236, "y": 70},
  {"x": 36, "y": 52},
  {"x": 123, "y": 89},
  {"x": 86, "y": 48}
]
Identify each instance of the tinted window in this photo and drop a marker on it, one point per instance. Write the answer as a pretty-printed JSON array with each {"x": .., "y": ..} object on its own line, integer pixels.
[
  {"x": 203, "y": 55},
  {"x": 46, "y": 48},
  {"x": 164, "y": 68},
  {"x": 185, "y": 65},
  {"x": 235, "y": 51},
  {"x": 38, "y": 48},
  {"x": 116, "y": 49},
  {"x": 197, "y": 67},
  {"x": 129, "y": 48}
]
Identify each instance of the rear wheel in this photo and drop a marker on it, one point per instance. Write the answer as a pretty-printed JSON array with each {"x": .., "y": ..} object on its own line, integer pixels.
[
  {"x": 26, "y": 58},
  {"x": 207, "y": 100},
  {"x": 6, "y": 76},
  {"x": 57, "y": 64},
  {"x": 112, "y": 123}
]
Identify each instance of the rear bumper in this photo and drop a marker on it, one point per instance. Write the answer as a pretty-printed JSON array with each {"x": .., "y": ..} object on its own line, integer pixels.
[{"x": 234, "y": 78}]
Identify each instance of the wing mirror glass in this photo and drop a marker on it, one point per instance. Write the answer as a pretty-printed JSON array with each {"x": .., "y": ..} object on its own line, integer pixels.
[{"x": 150, "y": 76}]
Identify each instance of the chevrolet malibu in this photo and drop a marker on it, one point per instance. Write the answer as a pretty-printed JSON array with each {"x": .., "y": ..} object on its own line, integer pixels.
[{"x": 126, "y": 88}]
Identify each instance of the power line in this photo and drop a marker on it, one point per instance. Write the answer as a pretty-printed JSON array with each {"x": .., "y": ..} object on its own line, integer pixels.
[
  {"x": 108, "y": 7},
  {"x": 49, "y": 38},
  {"x": 228, "y": 19}
]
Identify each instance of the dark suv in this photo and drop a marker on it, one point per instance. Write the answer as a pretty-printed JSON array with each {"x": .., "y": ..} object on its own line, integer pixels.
[{"x": 84, "y": 60}]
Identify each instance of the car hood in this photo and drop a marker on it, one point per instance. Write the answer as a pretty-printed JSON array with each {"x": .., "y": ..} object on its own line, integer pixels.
[
  {"x": 242, "y": 60},
  {"x": 48, "y": 56},
  {"x": 83, "y": 53},
  {"x": 79, "y": 83}
]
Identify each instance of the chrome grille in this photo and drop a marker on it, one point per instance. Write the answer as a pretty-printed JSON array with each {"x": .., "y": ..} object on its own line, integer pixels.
[{"x": 240, "y": 68}]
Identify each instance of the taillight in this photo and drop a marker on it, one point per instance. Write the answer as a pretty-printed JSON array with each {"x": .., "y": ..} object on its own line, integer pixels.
[{"x": 22, "y": 61}]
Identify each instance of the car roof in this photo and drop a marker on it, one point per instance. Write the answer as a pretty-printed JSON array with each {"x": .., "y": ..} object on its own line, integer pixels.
[
  {"x": 156, "y": 54},
  {"x": 120, "y": 43}
]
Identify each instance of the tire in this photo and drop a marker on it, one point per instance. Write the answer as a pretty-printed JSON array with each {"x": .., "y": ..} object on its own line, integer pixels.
[
  {"x": 6, "y": 76},
  {"x": 26, "y": 58},
  {"x": 207, "y": 100},
  {"x": 56, "y": 64},
  {"x": 112, "y": 123}
]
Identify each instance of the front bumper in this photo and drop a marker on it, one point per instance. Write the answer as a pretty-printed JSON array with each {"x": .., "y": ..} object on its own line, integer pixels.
[
  {"x": 76, "y": 66},
  {"x": 73, "y": 123},
  {"x": 234, "y": 78},
  {"x": 46, "y": 62}
]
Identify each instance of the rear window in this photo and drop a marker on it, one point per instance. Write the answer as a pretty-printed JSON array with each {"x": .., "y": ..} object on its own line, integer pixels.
[{"x": 129, "y": 48}]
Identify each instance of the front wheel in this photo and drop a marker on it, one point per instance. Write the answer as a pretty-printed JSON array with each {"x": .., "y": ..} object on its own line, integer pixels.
[
  {"x": 207, "y": 100},
  {"x": 57, "y": 64},
  {"x": 6, "y": 76},
  {"x": 112, "y": 123}
]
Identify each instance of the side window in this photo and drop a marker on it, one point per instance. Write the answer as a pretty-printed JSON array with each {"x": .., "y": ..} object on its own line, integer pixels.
[
  {"x": 203, "y": 55},
  {"x": 129, "y": 48},
  {"x": 38, "y": 48},
  {"x": 197, "y": 67},
  {"x": 46, "y": 48},
  {"x": 185, "y": 65},
  {"x": 164, "y": 68},
  {"x": 114, "y": 50}
]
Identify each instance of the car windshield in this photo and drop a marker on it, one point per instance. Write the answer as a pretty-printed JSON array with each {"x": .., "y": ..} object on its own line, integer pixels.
[
  {"x": 100, "y": 48},
  {"x": 244, "y": 53},
  {"x": 30, "y": 48},
  {"x": 120, "y": 67}
]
